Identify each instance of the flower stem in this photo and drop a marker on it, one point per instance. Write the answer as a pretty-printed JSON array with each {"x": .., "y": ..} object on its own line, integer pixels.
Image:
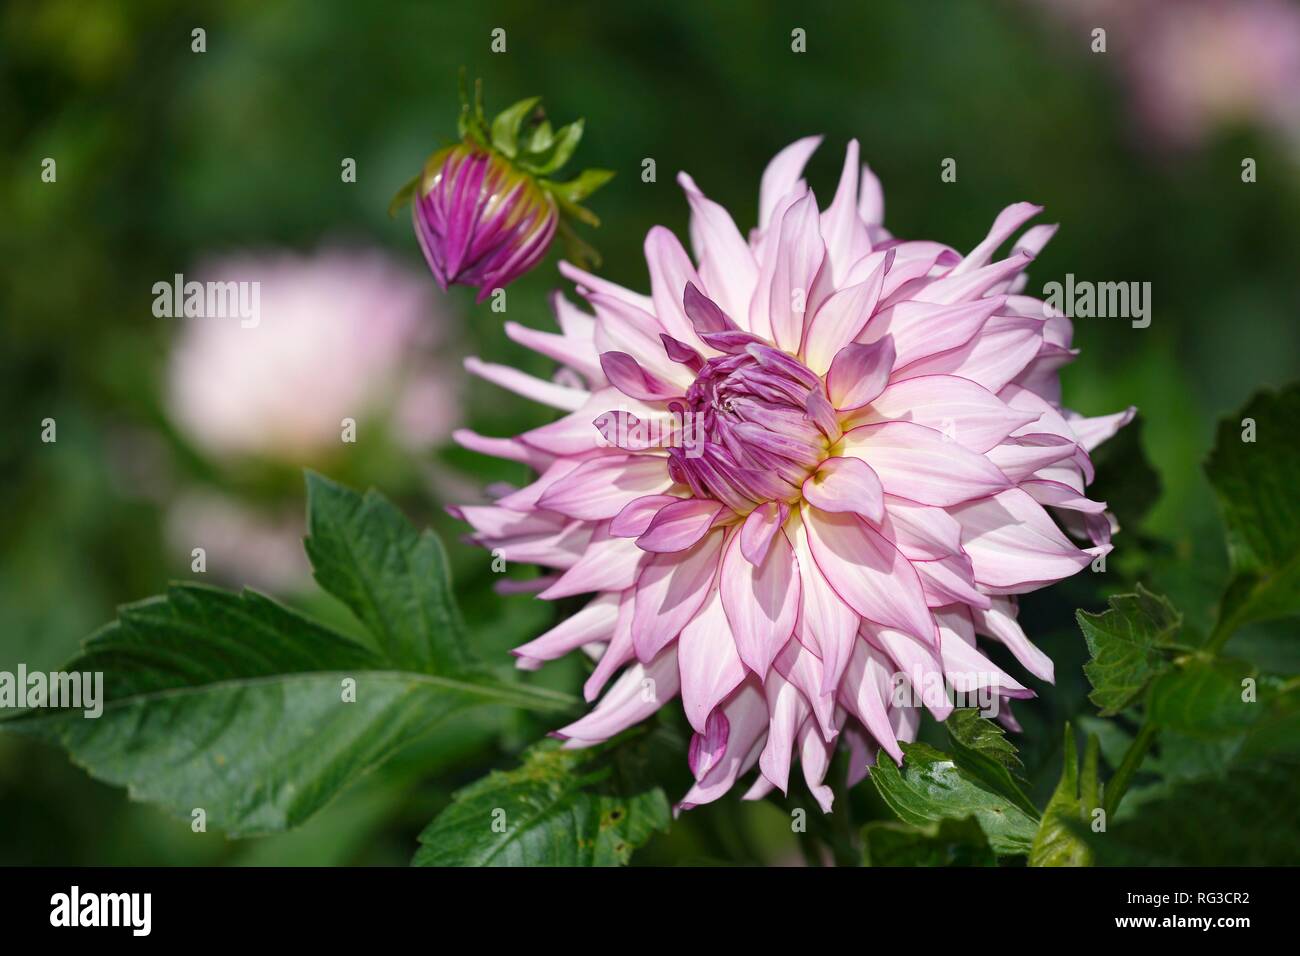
[{"x": 1128, "y": 766}]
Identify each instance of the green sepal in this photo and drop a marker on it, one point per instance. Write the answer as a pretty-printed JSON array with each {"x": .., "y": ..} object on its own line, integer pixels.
[{"x": 505, "y": 128}]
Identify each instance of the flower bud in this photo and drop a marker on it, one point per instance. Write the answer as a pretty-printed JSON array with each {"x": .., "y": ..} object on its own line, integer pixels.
[
  {"x": 485, "y": 210},
  {"x": 480, "y": 221}
]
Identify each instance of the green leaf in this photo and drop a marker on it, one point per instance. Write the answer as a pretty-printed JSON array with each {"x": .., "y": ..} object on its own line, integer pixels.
[
  {"x": 933, "y": 786},
  {"x": 1245, "y": 818},
  {"x": 258, "y": 715},
  {"x": 588, "y": 807},
  {"x": 1203, "y": 698},
  {"x": 945, "y": 843},
  {"x": 968, "y": 729},
  {"x": 505, "y": 128},
  {"x": 1256, "y": 485},
  {"x": 556, "y": 153},
  {"x": 234, "y": 704},
  {"x": 1077, "y": 796},
  {"x": 393, "y": 578},
  {"x": 1128, "y": 645}
]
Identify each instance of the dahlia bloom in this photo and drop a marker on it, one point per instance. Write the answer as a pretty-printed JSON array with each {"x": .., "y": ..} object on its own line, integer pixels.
[{"x": 807, "y": 462}]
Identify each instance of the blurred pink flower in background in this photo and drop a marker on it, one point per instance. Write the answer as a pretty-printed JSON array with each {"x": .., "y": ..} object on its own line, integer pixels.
[
  {"x": 1197, "y": 65},
  {"x": 343, "y": 333}
]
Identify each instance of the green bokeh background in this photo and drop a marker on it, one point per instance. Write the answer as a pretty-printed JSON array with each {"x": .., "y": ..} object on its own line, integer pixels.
[{"x": 165, "y": 155}]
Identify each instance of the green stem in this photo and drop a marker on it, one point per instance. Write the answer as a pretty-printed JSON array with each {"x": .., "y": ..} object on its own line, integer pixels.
[{"x": 1128, "y": 766}]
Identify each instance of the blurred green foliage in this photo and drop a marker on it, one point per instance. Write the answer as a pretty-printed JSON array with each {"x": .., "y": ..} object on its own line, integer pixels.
[{"x": 165, "y": 154}]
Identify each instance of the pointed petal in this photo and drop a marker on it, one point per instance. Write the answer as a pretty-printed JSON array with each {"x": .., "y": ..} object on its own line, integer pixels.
[
  {"x": 761, "y": 602},
  {"x": 710, "y": 667},
  {"x": 670, "y": 592},
  {"x": 919, "y": 464},
  {"x": 868, "y": 573},
  {"x": 859, "y": 373},
  {"x": 846, "y": 484}
]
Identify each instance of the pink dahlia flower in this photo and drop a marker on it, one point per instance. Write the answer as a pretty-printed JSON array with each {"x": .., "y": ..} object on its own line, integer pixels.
[{"x": 806, "y": 463}]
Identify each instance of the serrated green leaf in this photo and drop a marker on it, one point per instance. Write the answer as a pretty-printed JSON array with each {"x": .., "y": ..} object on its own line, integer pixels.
[
  {"x": 1077, "y": 796},
  {"x": 1256, "y": 485},
  {"x": 258, "y": 715},
  {"x": 1128, "y": 645},
  {"x": 945, "y": 843},
  {"x": 393, "y": 578},
  {"x": 560, "y": 807},
  {"x": 505, "y": 128},
  {"x": 931, "y": 786},
  {"x": 968, "y": 729},
  {"x": 234, "y": 704}
]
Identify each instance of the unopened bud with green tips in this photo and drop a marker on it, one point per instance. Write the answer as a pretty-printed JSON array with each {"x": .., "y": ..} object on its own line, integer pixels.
[{"x": 485, "y": 210}]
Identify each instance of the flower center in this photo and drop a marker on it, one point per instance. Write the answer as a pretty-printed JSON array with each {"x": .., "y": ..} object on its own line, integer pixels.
[{"x": 754, "y": 416}]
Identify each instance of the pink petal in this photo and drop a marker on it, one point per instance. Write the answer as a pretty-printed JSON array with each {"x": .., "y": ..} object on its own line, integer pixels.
[
  {"x": 602, "y": 487},
  {"x": 919, "y": 464},
  {"x": 579, "y": 355},
  {"x": 709, "y": 665},
  {"x": 781, "y": 175},
  {"x": 670, "y": 591},
  {"x": 708, "y": 746},
  {"x": 726, "y": 264},
  {"x": 840, "y": 319},
  {"x": 609, "y": 564},
  {"x": 640, "y": 691},
  {"x": 637, "y": 514},
  {"x": 1014, "y": 544},
  {"x": 826, "y": 623},
  {"x": 919, "y": 662},
  {"x": 1005, "y": 345},
  {"x": 921, "y": 532},
  {"x": 595, "y": 622},
  {"x": 521, "y": 383},
  {"x": 761, "y": 601},
  {"x": 865, "y": 692},
  {"x": 632, "y": 380},
  {"x": 746, "y": 713},
  {"x": 843, "y": 229},
  {"x": 921, "y": 329},
  {"x": 760, "y": 528},
  {"x": 1000, "y": 622},
  {"x": 859, "y": 373},
  {"x": 1007, "y": 222},
  {"x": 799, "y": 259},
  {"x": 868, "y": 573},
  {"x": 680, "y": 525},
  {"x": 968, "y": 414},
  {"x": 670, "y": 271},
  {"x": 846, "y": 484}
]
